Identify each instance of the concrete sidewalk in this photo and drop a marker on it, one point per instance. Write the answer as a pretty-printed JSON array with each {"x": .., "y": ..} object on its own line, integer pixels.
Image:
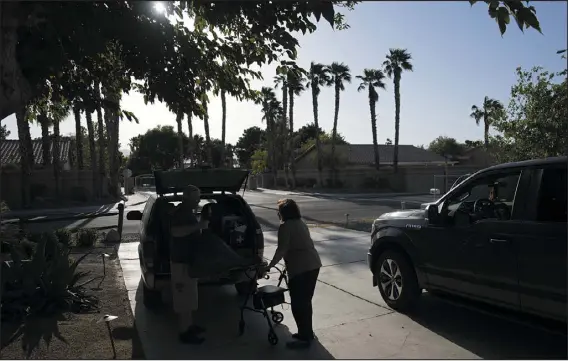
[{"x": 336, "y": 195}]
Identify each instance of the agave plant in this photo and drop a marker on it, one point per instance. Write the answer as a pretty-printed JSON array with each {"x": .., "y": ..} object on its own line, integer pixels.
[{"x": 38, "y": 290}]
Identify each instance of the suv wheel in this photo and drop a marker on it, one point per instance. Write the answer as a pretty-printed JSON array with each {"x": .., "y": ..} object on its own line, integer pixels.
[
  {"x": 397, "y": 280},
  {"x": 152, "y": 299}
]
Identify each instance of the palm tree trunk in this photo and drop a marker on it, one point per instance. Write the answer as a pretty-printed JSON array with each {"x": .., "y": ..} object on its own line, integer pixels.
[
  {"x": 45, "y": 140},
  {"x": 283, "y": 125},
  {"x": 334, "y": 134},
  {"x": 92, "y": 151},
  {"x": 112, "y": 124},
  {"x": 56, "y": 156},
  {"x": 207, "y": 136},
  {"x": 25, "y": 164},
  {"x": 374, "y": 128},
  {"x": 318, "y": 146},
  {"x": 290, "y": 141},
  {"x": 486, "y": 134},
  {"x": 78, "y": 138},
  {"x": 223, "y": 125},
  {"x": 396, "y": 118},
  {"x": 190, "y": 145},
  {"x": 181, "y": 153},
  {"x": 102, "y": 145}
]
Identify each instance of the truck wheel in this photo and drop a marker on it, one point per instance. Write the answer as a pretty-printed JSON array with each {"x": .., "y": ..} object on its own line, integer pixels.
[
  {"x": 152, "y": 299},
  {"x": 397, "y": 281},
  {"x": 244, "y": 288}
]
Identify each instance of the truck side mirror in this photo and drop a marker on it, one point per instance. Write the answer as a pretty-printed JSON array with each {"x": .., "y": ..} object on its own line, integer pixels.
[{"x": 433, "y": 215}]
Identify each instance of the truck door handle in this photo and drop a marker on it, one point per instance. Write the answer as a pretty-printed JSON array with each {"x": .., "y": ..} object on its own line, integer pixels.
[{"x": 495, "y": 240}]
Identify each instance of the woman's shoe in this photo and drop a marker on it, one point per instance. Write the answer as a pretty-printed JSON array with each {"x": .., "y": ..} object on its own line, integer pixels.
[
  {"x": 298, "y": 344},
  {"x": 298, "y": 337}
]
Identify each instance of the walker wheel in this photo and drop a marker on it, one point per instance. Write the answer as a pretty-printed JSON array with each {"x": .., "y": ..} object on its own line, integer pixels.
[
  {"x": 272, "y": 338},
  {"x": 241, "y": 327},
  {"x": 277, "y": 317}
]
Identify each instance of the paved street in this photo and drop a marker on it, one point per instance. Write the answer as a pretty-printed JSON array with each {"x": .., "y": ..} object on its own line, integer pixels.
[{"x": 351, "y": 319}]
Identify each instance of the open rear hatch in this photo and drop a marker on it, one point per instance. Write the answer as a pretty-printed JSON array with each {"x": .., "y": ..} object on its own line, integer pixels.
[{"x": 206, "y": 179}]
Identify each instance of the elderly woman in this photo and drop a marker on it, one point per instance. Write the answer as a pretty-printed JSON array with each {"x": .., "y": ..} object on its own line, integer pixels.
[{"x": 303, "y": 263}]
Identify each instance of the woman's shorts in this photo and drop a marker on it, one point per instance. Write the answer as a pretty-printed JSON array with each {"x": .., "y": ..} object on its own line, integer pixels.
[{"x": 184, "y": 288}]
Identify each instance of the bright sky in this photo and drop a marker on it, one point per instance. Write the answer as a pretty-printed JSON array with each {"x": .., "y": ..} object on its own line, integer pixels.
[{"x": 458, "y": 56}]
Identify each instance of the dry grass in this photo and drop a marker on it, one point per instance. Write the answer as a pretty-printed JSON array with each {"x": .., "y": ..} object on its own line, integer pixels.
[{"x": 85, "y": 338}]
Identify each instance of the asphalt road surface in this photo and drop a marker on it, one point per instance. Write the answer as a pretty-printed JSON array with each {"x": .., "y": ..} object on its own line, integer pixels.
[{"x": 314, "y": 209}]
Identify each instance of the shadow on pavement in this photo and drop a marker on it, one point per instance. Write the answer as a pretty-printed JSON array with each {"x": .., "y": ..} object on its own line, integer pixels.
[
  {"x": 488, "y": 336},
  {"x": 47, "y": 226},
  {"x": 219, "y": 313}
]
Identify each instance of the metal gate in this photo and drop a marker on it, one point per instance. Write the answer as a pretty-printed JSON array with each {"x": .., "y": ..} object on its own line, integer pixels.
[{"x": 145, "y": 182}]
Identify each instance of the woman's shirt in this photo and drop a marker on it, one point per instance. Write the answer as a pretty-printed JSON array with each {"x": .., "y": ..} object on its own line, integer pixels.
[{"x": 300, "y": 255}]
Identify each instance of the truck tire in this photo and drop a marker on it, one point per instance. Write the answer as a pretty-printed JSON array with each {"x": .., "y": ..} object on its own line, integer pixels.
[
  {"x": 397, "y": 281},
  {"x": 152, "y": 299}
]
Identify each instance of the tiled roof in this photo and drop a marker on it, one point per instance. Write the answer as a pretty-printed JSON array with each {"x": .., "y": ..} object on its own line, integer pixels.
[
  {"x": 363, "y": 154},
  {"x": 10, "y": 152}
]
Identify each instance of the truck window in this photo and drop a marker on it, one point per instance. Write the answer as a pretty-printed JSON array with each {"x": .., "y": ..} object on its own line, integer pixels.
[
  {"x": 551, "y": 206},
  {"x": 500, "y": 189}
]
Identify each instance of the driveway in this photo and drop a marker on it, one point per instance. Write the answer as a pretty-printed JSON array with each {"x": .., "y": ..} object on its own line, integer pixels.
[{"x": 350, "y": 318}]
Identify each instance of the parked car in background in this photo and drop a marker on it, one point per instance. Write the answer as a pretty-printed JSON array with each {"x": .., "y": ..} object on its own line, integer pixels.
[
  {"x": 498, "y": 238},
  {"x": 231, "y": 212}
]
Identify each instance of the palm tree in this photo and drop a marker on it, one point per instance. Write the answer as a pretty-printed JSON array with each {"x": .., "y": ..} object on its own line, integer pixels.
[
  {"x": 223, "y": 124},
  {"x": 397, "y": 61},
  {"x": 370, "y": 80},
  {"x": 179, "y": 119},
  {"x": 92, "y": 150},
  {"x": 281, "y": 80},
  {"x": 270, "y": 105},
  {"x": 340, "y": 74},
  {"x": 490, "y": 111},
  {"x": 38, "y": 111},
  {"x": 26, "y": 154},
  {"x": 101, "y": 139},
  {"x": 190, "y": 133},
  {"x": 78, "y": 135},
  {"x": 318, "y": 77},
  {"x": 207, "y": 135},
  {"x": 58, "y": 111},
  {"x": 295, "y": 88}
]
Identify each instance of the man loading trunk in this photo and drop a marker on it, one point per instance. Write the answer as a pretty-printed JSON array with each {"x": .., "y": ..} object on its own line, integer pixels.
[{"x": 184, "y": 288}]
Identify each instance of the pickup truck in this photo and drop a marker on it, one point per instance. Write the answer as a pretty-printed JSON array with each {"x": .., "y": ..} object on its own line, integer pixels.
[{"x": 497, "y": 238}]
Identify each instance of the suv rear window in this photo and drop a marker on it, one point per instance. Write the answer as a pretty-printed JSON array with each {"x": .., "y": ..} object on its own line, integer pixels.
[{"x": 552, "y": 196}]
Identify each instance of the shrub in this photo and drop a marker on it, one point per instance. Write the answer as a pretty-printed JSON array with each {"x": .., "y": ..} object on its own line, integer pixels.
[
  {"x": 38, "y": 190},
  {"x": 86, "y": 237},
  {"x": 36, "y": 291},
  {"x": 79, "y": 194},
  {"x": 64, "y": 236}
]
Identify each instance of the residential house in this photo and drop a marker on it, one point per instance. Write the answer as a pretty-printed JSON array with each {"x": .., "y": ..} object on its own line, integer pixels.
[
  {"x": 476, "y": 156},
  {"x": 10, "y": 153},
  {"x": 352, "y": 156}
]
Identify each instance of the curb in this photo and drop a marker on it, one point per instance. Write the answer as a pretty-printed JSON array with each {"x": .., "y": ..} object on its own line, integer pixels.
[{"x": 340, "y": 195}]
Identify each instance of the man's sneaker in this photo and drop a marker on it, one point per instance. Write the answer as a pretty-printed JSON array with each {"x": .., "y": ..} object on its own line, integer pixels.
[
  {"x": 190, "y": 338},
  {"x": 195, "y": 329}
]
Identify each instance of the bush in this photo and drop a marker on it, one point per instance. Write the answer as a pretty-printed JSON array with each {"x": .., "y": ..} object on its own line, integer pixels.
[
  {"x": 64, "y": 236},
  {"x": 86, "y": 237},
  {"x": 79, "y": 194},
  {"x": 39, "y": 289},
  {"x": 38, "y": 190}
]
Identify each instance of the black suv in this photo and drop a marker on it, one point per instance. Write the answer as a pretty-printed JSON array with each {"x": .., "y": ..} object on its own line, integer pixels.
[
  {"x": 218, "y": 186},
  {"x": 498, "y": 238}
]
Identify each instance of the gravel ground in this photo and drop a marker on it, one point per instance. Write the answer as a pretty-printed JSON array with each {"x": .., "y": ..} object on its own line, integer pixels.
[{"x": 87, "y": 339}]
